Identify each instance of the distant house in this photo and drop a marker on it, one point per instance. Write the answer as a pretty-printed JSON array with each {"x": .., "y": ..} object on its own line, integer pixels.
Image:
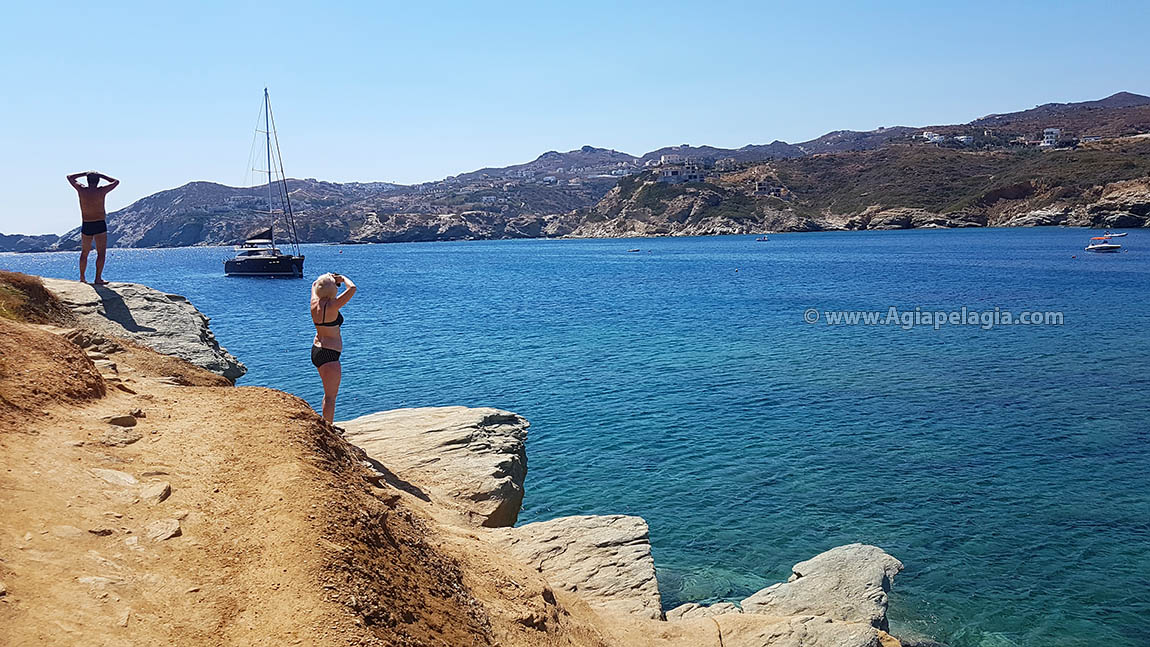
[
  {"x": 525, "y": 173},
  {"x": 671, "y": 159},
  {"x": 965, "y": 140},
  {"x": 769, "y": 188},
  {"x": 550, "y": 179},
  {"x": 1092, "y": 138},
  {"x": 933, "y": 137},
  {"x": 1050, "y": 137},
  {"x": 488, "y": 199},
  {"x": 679, "y": 174},
  {"x": 726, "y": 164}
]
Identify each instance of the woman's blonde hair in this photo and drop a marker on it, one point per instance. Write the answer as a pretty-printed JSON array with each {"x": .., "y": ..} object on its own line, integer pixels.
[{"x": 324, "y": 287}]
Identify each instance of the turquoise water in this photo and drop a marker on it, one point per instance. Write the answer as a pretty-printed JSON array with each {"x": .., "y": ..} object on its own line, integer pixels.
[{"x": 1008, "y": 468}]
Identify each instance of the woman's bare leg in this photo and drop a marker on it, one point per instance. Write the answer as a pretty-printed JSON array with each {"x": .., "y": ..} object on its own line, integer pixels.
[{"x": 330, "y": 373}]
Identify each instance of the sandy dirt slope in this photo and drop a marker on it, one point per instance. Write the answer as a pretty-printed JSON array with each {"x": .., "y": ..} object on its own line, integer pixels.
[
  {"x": 223, "y": 516},
  {"x": 144, "y": 501}
]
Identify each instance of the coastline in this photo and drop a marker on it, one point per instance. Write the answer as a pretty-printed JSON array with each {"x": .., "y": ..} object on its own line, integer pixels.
[
  {"x": 621, "y": 236},
  {"x": 456, "y": 474}
]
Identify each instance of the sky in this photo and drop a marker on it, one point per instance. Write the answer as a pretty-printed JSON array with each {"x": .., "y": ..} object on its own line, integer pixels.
[{"x": 160, "y": 94}]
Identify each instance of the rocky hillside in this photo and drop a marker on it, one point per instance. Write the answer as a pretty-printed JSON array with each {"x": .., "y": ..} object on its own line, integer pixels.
[
  {"x": 844, "y": 179},
  {"x": 900, "y": 186}
]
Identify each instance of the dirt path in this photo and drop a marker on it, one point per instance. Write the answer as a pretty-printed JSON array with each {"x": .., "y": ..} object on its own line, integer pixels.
[
  {"x": 79, "y": 537},
  {"x": 224, "y": 516}
]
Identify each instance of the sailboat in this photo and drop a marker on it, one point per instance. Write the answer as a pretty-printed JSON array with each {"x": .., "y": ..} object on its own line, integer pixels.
[{"x": 258, "y": 255}]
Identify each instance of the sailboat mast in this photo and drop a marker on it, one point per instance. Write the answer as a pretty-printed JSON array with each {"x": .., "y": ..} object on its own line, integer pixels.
[{"x": 268, "y": 138}]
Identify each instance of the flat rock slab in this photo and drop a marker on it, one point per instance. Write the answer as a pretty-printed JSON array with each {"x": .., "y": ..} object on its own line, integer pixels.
[
  {"x": 606, "y": 559},
  {"x": 848, "y": 583},
  {"x": 162, "y": 529},
  {"x": 120, "y": 436},
  {"x": 740, "y": 630},
  {"x": 155, "y": 492},
  {"x": 696, "y": 610},
  {"x": 472, "y": 458},
  {"x": 115, "y": 477},
  {"x": 166, "y": 323}
]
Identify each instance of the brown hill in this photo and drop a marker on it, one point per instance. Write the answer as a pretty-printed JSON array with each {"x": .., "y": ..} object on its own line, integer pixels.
[{"x": 515, "y": 201}]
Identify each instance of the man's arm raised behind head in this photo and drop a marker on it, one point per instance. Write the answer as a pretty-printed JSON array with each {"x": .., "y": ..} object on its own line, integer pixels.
[
  {"x": 72, "y": 180},
  {"x": 112, "y": 182}
]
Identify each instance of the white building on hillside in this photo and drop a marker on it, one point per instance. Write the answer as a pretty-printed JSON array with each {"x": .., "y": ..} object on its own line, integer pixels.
[
  {"x": 1050, "y": 137},
  {"x": 671, "y": 159},
  {"x": 678, "y": 174},
  {"x": 933, "y": 137}
]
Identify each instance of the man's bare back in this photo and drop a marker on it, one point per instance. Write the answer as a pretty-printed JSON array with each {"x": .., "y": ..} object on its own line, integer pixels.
[
  {"x": 95, "y": 227},
  {"x": 92, "y": 196}
]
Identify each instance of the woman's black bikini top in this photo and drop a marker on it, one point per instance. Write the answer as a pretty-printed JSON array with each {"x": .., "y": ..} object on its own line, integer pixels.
[{"x": 338, "y": 321}]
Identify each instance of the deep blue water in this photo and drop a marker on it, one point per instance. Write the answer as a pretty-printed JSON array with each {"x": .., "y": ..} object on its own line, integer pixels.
[{"x": 1008, "y": 468}]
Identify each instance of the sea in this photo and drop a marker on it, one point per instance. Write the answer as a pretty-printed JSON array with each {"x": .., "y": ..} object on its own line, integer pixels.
[{"x": 746, "y": 400}]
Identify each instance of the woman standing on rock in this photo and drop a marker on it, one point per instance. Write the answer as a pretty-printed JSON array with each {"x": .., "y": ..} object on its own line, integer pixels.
[{"x": 328, "y": 344}]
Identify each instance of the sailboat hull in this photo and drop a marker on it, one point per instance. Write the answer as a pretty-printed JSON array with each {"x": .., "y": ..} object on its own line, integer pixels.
[{"x": 281, "y": 265}]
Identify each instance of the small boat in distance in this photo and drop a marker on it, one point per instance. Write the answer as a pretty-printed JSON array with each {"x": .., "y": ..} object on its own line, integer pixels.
[
  {"x": 1102, "y": 245},
  {"x": 1117, "y": 235},
  {"x": 258, "y": 255},
  {"x": 761, "y": 239}
]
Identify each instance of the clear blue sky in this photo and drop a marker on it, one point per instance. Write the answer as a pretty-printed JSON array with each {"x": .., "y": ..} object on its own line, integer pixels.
[{"x": 159, "y": 94}]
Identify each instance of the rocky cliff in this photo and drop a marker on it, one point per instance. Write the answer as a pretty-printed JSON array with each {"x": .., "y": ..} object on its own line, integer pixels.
[
  {"x": 167, "y": 323},
  {"x": 471, "y": 464}
]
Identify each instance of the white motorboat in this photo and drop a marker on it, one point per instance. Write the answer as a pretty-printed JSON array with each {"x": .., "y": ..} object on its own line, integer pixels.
[{"x": 1102, "y": 245}]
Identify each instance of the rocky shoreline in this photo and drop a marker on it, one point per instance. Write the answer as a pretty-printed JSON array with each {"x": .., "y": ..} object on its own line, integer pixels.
[
  {"x": 453, "y": 480},
  {"x": 474, "y": 461}
]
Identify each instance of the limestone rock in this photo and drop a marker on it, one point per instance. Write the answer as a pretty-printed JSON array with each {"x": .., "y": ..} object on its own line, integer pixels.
[
  {"x": 846, "y": 583},
  {"x": 115, "y": 477},
  {"x": 695, "y": 610},
  {"x": 120, "y": 437},
  {"x": 796, "y": 631},
  {"x": 606, "y": 559},
  {"x": 101, "y": 531},
  {"x": 1122, "y": 205},
  {"x": 155, "y": 492},
  {"x": 93, "y": 342},
  {"x": 121, "y": 420},
  {"x": 162, "y": 529},
  {"x": 474, "y": 459},
  {"x": 67, "y": 532},
  {"x": 167, "y": 323}
]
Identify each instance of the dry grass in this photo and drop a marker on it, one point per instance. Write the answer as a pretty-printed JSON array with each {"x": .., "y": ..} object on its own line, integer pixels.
[{"x": 24, "y": 298}]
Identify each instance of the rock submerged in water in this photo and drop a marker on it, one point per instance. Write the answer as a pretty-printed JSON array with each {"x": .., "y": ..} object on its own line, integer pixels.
[
  {"x": 606, "y": 559},
  {"x": 166, "y": 323},
  {"x": 849, "y": 583},
  {"x": 473, "y": 458}
]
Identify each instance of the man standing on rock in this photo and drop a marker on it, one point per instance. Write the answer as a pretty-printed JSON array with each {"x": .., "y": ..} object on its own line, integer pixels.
[{"x": 95, "y": 226}]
